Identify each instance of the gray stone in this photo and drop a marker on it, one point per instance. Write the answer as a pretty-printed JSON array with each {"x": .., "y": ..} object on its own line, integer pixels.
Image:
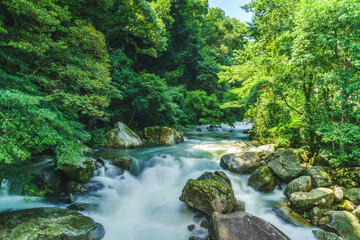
[
  {"x": 77, "y": 188},
  {"x": 163, "y": 135},
  {"x": 121, "y": 137},
  {"x": 300, "y": 184},
  {"x": 318, "y": 176},
  {"x": 353, "y": 194},
  {"x": 319, "y": 197},
  {"x": 339, "y": 193},
  {"x": 241, "y": 163},
  {"x": 262, "y": 180},
  {"x": 343, "y": 223},
  {"x": 322, "y": 235},
  {"x": 287, "y": 214}
]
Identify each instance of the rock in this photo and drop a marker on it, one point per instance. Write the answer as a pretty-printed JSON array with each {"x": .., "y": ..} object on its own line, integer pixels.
[
  {"x": 240, "y": 144},
  {"x": 241, "y": 225},
  {"x": 263, "y": 150},
  {"x": 285, "y": 164},
  {"x": 82, "y": 172},
  {"x": 318, "y": 176},
  {"x": 319, "y": 197},
  {"x": 209, "y": 193},
  {"x": 303, "y": 154},
  {"x": 339, "y": 193},
  {"x": 49, "y": 181},
  {"x": 48, "y": 223},
  {"x": 347, "y": 183},
  {"x": 204, "y": 224},
  {"x": 322, "y": 235},
  {"x": 356, "y": 212},
  {"x": 262, "y": 180},
  {"x": 241, "y": 163},
  {"x": 343, "y": 223},
  {"x": 315, "y": 215},
  {"x": 191, "y": 227},
  {"x": 353, "y": 194},
  {"x": 198, "y": 130},
  {"x": 346, "y": 205},
  {"x": 76, "y": 188},
  {"x": 123, "y": 162},
  {"x": 121, "y": 137},
  {"x": 239, "y": 207},
  {"x": 83, "y": 206},
  {"x": 163, "y": 135},
  {"x": 287, "y": 214},
  {"x": 300, "y": 184}
]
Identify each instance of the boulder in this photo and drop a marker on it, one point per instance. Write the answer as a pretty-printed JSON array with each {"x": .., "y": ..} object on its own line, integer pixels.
[
  {"x": 263, "y": 150},
  {"x": 76, "y": 188},
  {"x": 240, "y": 144},
  {"x": 343, "y": 223},
  {"x": 353, "y": 194},
  {"x": 121, "y": 137},
  {"x": 356, "y": 212},
  {"x": 315, "y": 215},
  {"x": 48, "y": 223},
  {"x": 83, "y": 206},
  {"x": 263, "y": 180},
  {"x": 346, "y": 205},
  {"x": 285, "y": 164},
  {"x": 163, "y": 135},
  {"x": 319, "y": 197},
  {"x": 81, "y": 172},
  {"x": 318, "y": 176},
  {"x": 287, "y": 214},
  {"x": 209, "y": 193},
  {"x": 240, "y": 163},
  {"x": 242, "y": 225},
  {"x": 322, "y": 235},
  {"x": 123, "y": 162},
  {"x": 300, "y": 184},
  {"x": 339, "y": 193}
]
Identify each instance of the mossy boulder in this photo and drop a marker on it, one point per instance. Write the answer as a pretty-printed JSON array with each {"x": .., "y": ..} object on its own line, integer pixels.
[
  {"x": 48, "y": 223},
  {"x": 323, "y": 235},
  {"x": 300, "y": 184},
  {"x": 287, "y": 214},
  {"x": 77, "y": 188},
  {"x": 346, "y": 205},
  {"x": 163, "y": 136},
  {"x": 339, "y": 193},
  {"x": 82, "y": 172},
  {"x": 263, "y": 150},
  {"x": 319, "y": 197},
  {"x": 356, "y": 212},
  {"x": 284, "y": 164},
  {"x": 123, "y": 162},
  {"x": 315, "y": 215},
  {"x": 353, "y": 194},
  {"x": 263, "y": 180},
  {"x": 209, "y": 193},
  {"x": 343, "y": 223},
  {"x": 240, "y": 163},
  {"x": 121, "y": 136},
  {"x": 318, "y": 176}
]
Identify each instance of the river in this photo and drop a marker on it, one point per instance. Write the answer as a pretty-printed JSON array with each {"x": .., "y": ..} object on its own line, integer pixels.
[{"x": 143, "y": 204}]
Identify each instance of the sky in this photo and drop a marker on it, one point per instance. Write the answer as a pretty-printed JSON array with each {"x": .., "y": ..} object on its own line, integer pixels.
[{"x": 232, "y": 8}]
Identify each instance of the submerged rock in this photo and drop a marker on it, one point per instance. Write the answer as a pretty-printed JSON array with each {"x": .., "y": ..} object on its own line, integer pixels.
[
  {"x": 163, "y": 135},
  {"x": 343, "y": 223},
  {"x": 318, "y": 176},
  {"x": 242, "y": 225},
  {"x": 48, "y": 223},
  {"x": 353, "y": 194},
  {"x": 121, "y": 137},
  {"x": 209, "y": 193},
  {"x": 285, "y": 164},
  {"x": 322, "y": 235},
  {"x": 319, "y": 197},
  {"x": 81, "y": 172},
  {"x": 241, "y": 163},
  {"x": 262, "y": 180},
  {"x": 300, "y": 184}
]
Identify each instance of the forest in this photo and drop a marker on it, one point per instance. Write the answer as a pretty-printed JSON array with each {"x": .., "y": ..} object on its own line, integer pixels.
[{"x": 71, "y": 69}]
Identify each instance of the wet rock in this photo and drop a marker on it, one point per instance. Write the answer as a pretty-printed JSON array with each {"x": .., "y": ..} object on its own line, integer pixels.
[
  {"x": 49, "y": 181},
  {"x": 318, "y": 176},
  {"x": 356, "y": 212},
  {"x": 240, "y": 144},
  {"x": 122, "y": 137},
  {"x": 263, "y": 150},
  {"x": 319, "y": 197},
  {"x": 346, "y": 205},
  {"x": 347, "y": 183},
  {"x": 339, "y": 193},
  {"x": 287, "y": 214},
  {"x": 76, "y": 188},
  {"x": 315, "y": 215},
  {"x": 300, "y": 184},
  {"x": 343, "y": 223},
  {"x": 191, "y": 227},
  {"x": 163, "y": 135},
  {"x": 241, "y": 225},
  {"x": 204, "y": 224},
  {"x": 198, "y": 129},
  {"x": 322, "y": 235},
  {"x": 241, "y": 163},
  {"x": 48, "y": 223},
  {"x": 209, "y": 193},
  {"x": 123, "y": 162},
  {"x": 83, "y": 206},
  {"x": 263, "y": 180},
  {"x": 240, "y": 206},
  {"x": 353, "y": 194},
  {"x": 81, "y": 172},
  {"x": 285, "y": 164}
]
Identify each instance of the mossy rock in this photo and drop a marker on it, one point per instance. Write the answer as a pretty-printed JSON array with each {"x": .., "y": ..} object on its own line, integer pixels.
[
  {"x": 346, "y": 205},
  {"x": 240, "y": 163},
  {"x": 263, "y": 180},
  {"x": 353, "y": 194},
  {"x": 300, "y": 184},
  {"x": 81, "y": 172},
  {"x": 164, "y": 136},
  {"x": 77, "y": 188},
  {"x": 323, "y": 235},
  {"x": 287, "y": 214},
  {"x": 343, "y": 223},
  {"x": 123, "y": 162},
  {"x": 122, "y": 137},
  {"x": 318, "y": 176},
  {"x": 319, "y": 197},
  {"x": 48, "y": 223}
]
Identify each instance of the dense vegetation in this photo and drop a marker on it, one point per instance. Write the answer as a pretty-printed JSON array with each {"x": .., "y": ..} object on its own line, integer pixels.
[{"x": 71, "y": 69}]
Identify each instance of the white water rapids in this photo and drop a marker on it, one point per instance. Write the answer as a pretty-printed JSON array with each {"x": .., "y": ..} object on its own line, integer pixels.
[{"x": 144, "y": 204}]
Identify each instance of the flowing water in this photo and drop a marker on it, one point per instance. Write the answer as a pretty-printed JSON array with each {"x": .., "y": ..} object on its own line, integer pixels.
[{"x": 144, "y": 204}]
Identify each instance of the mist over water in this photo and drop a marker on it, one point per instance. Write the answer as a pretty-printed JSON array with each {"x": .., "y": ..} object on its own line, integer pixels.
[{"x": 143, "y": 203}]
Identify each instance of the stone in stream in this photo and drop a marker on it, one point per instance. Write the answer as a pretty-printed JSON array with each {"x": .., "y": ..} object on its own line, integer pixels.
[
  {"x": 48, "y": 180},
  {"x": 287, "y": 214},
  {"x": 353, "y": 194},
  {"x": 318, "y": 176},
  {"x": 240, "y": 144},
  {"x": 209, "y": 193},
  {"x": 300, "y": 184},
  {"x": 121, "y": 137},
  {"x": 123, "y": 162},
  {"x": 163, "y": 135},
  {"x": 240, "y": 163},
  {"x": 82, "y": 172},
  {"x": 262, "y": 180},
  {"x": 322, "y": 235},
  {"x": 77, "y": 188},
  {"x": 319, "y": 197},
  {"x": 343, "y": 223},
  {"x": 339, "y": 193},
  {"x": 242, "y": 225},
  {"x": 285, "y": 164},
  {"x": 263, "y": 150},
  {"x": 48, "y": 223}
]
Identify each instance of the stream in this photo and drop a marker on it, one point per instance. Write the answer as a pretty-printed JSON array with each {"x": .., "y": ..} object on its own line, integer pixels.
[{"x": 143, "y": 204}]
